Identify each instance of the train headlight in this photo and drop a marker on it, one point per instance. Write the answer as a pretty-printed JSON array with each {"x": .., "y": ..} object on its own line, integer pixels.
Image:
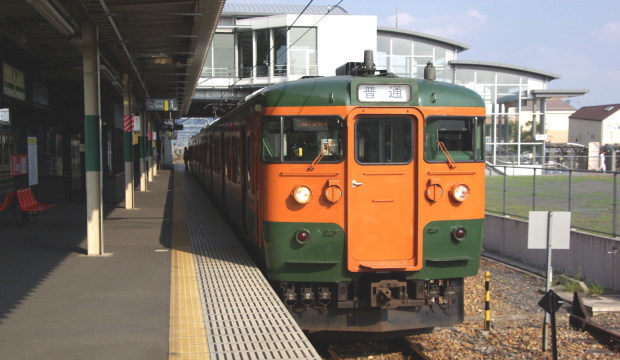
[
  {"x": 459, "y": 192},
  {"x": 302, "y": 194}
]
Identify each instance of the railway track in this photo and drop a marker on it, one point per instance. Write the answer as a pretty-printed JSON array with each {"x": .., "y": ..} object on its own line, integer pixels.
[
  {"x": 398, "y": 348},
  {"x": 516, "y": 321}
]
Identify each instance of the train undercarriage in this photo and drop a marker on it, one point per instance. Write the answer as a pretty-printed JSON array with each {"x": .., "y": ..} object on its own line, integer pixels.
[{"x": 374, "y": 304}]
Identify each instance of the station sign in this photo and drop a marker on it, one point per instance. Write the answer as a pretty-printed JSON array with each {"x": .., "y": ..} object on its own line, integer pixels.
[{"x": 154, "y": 104}]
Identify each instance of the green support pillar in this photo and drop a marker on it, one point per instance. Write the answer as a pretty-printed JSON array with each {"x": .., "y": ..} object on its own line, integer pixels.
[{"x": 92, "y": 139}]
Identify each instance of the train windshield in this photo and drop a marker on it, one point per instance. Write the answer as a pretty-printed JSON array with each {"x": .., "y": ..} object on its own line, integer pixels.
[
  {"x": 383, "y": 140},
  {"x": 302, "y": 139},
  {"x": 460, "y": 137}
]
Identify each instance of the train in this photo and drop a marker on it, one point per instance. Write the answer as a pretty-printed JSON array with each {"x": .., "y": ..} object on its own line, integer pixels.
[{"x": 360, "y": 194}]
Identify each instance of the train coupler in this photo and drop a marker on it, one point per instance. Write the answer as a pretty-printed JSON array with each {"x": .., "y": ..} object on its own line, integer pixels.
[{"x": 388, "y": 294}]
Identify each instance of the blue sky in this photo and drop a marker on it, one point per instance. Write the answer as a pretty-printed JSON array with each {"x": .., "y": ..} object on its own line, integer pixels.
[{"x": 578, "y": 40}]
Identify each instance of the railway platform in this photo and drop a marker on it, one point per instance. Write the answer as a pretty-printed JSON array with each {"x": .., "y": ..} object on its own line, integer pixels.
[{"x": 173, "y": 283}]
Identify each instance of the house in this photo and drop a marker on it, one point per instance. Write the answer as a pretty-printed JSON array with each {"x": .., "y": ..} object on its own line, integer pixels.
[{"x": 595, "y": 124}]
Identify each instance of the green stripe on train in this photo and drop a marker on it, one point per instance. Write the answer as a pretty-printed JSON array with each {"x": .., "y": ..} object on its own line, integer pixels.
[
  {"x": 445, "y": 257},
  {"x": 323, "y": 257}
]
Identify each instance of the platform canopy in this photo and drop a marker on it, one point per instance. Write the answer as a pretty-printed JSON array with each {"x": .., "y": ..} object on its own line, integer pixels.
[{"x": 160, "y": 44}]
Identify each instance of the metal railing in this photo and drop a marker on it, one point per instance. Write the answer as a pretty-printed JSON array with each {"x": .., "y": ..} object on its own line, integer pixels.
[
  {"x": 261, "y": 71},
  {"x": 591, "y": 196}
]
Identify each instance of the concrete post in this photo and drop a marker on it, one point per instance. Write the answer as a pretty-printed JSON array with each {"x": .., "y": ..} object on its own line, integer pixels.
[
  {"x": 141, "y": 147},
  {"x": 92, "y": 139},
  {"x": 149, "y": 150}
]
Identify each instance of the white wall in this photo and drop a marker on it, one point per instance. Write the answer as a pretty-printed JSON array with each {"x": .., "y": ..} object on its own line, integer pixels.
[
  {"x": 588, "y": 254},
  {"x": 343, "y": 39},
  {"x": 584, "y": 131},
  {"x": 611, "y": 129},
  {"x": 340, "y": 38}
]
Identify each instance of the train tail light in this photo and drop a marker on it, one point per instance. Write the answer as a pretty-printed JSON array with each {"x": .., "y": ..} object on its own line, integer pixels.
[
  {"x": 302, "y": 236},
  {"x": 459, "y": 233}
]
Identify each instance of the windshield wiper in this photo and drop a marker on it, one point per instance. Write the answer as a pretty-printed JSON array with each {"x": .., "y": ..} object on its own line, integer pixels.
[
  {"x": 319, "y": 157},
  {"x": 449, "y": 159}
]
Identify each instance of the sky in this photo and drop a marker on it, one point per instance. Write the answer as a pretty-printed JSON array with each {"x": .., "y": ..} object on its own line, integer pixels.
[{"x": 578, "y": 40}]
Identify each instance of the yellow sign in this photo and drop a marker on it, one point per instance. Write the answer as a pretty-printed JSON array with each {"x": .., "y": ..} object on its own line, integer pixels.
[{"x": 14, "y": 84}]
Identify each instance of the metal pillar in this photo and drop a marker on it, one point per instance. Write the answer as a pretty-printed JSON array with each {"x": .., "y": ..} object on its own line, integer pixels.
[
  {"x": 128, "y": 145},
  {"x": 92, "y": 139}
]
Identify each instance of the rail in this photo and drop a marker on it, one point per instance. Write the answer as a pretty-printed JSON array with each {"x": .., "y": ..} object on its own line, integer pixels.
[
  {"x": 396, "y": 345},
  {"x": 580, "y": 319}
]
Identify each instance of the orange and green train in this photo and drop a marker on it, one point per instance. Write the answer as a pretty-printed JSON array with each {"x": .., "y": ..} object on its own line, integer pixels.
[{"x": 362, "y": 195}]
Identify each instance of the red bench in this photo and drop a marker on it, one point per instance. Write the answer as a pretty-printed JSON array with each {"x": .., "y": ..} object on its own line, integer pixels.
[
  {"x": 9, "y": 198},
  {"x": 28, "y": 203}
]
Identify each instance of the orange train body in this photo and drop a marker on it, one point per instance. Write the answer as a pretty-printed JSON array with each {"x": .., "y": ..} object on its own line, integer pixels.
[{"x": 366, "y": 213}]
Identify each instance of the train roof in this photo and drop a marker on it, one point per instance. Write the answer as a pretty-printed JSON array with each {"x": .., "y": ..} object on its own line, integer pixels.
[
  {"x": 344, "y": 90},
  {"x": 337, "y": 91}
]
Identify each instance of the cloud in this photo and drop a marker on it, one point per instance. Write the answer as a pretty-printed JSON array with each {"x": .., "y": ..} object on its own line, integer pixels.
[
  {"x": 609, "y": 33},
  {"x": 404, "y": 19},
  {"x": 446, "y": 25}
]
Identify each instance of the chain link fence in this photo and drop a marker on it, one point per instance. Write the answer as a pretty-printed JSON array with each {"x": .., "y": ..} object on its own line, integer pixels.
[{"x": 591, "y": 196}]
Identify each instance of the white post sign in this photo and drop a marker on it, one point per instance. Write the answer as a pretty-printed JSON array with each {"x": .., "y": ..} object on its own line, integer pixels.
[
  {"x": 539, "y": 231},
  {"x": 33, "y": 174},
  {"x": 548, "y": 230}
]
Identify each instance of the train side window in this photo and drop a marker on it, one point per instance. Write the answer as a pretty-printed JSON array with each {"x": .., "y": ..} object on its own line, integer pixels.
[
  {"x": 462, "y": 137},
  {"x": 300, "y": 139},
  {"x": 384, "y": 140}
]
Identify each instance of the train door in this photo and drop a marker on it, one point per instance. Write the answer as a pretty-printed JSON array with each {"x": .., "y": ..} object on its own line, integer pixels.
[{"x": 381, "y": 196}]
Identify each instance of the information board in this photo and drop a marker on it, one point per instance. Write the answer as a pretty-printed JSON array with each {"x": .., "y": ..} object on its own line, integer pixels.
[{"x": 161, "y": 104}]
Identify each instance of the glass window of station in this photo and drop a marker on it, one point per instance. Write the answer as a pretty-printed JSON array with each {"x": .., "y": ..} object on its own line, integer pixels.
[
  {"x": 263, "y": 53},
  {"x": 509, "y": 138},
  {"x": 407, "y": 57}
]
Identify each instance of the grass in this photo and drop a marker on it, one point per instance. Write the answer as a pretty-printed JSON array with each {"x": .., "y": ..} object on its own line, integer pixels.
[{"x": 589, "y": 197}]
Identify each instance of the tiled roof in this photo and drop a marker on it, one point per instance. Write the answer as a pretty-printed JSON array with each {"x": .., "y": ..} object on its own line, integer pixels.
[
  {"x": 555, "y": 104},
  {"x": 595, "y": 113},
  {"x": 267, "y": 9}
]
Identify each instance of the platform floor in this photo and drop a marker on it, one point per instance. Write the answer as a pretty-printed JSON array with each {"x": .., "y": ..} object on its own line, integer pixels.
[{"x": 164, "y": 290}]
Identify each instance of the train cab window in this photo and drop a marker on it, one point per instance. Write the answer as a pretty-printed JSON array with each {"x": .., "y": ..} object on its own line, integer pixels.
[
  {"x": 301, "y": 139},
  {"x": 385, "y": 140},
  {"x": 461, "y": 137}
]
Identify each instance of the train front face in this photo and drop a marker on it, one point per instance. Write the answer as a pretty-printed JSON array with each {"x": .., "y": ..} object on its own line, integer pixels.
[{"x": 373, "y": 206}]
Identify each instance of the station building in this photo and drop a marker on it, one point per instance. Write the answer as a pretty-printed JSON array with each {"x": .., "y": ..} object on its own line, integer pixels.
[{"x": 257, "y": 45}]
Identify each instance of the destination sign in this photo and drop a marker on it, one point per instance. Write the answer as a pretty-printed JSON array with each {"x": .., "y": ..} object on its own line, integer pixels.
[
  {"x": 384, "y": 92},
  {"x": 310, "y": 124}
]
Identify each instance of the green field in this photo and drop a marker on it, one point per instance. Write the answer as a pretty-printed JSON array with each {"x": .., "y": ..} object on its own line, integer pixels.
[{"x": 590, "y": 198}]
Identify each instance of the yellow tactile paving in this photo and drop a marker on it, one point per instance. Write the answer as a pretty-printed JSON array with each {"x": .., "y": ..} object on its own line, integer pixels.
[{"x": 188, "y": 339}]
